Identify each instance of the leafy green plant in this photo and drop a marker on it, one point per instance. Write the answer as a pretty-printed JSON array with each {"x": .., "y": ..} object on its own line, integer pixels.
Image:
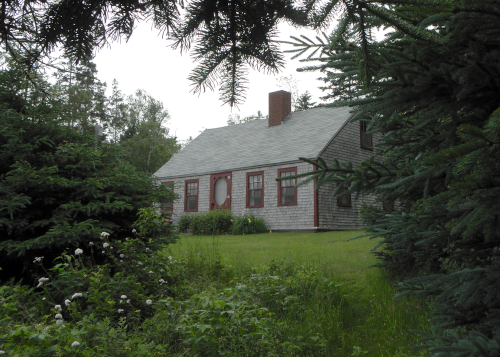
[
  {"x": 184, "y": 222},
  {"x": 216, "y": 221},
  {"x": 248, "y": 224}
]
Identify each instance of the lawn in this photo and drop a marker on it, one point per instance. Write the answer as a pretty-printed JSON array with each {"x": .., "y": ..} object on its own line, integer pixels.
[{"x": 366, "y": 321}]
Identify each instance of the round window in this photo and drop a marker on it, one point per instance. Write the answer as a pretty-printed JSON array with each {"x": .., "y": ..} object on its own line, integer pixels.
[{"x": 220, "y": 191}]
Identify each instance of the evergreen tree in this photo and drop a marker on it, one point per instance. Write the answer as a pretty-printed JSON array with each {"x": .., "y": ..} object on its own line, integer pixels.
[
  {"x": 82, "y": 95},
  {"x": 225, "y": 37},
  {"x": 431, "y": 87},
  {"x": 117, "y": 116},
  {"x": 304, "y": 102},
  {"x": 59, "y": 188}
]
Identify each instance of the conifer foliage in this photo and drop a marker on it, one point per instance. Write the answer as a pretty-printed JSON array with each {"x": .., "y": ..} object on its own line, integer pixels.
[
  {"x": 60, "y": 186},
  {"x": 431, "y": 87}
]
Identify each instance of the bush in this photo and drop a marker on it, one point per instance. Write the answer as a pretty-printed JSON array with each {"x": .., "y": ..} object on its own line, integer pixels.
[
  {"x": 216, "y": 221},
  {"x": 221, "y": 221},
  {"x": 144, "y": 304},
  {"x": 184, "y": 222},
  {"x": 79, "y": 308},
  {"x": 248, "y": 225}
]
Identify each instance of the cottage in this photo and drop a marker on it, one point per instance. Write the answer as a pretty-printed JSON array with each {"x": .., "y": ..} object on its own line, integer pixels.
[{"x": 236, "y": 167}]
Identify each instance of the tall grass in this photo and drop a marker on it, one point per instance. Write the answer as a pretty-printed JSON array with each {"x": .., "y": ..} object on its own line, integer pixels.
[{"x": 359, "y": 316}]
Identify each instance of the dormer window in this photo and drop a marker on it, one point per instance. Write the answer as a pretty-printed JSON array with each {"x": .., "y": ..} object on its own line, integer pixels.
[{"x": 365, "y": 138}]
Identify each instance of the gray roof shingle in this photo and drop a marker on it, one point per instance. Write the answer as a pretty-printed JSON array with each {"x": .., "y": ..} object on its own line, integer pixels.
[{"x": 304, "y": 134}]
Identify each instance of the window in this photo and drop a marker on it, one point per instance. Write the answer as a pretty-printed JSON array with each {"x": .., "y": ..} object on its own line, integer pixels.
[
  {"x": 191, "y": 198},
  {"x": 220, "y": 190},
  {"x": 255, "y": 189},
  {"x": 344, "y": 201},
  {"x": 168, "y": 206},
  {"x": 365, "y": 138},
  {"x": 287, "y": 193}
]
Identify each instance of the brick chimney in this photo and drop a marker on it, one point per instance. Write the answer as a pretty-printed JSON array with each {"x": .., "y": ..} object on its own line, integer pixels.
[{"x": 280, "y": 105}]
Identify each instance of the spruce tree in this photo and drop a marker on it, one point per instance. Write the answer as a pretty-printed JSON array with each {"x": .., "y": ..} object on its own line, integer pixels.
[{"x": 431, "y": 87}]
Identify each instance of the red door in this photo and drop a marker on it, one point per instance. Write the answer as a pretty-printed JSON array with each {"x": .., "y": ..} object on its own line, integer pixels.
[{"x": 220, "y": 190}]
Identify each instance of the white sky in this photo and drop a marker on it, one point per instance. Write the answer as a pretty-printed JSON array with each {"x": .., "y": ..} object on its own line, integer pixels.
[{"x": 146, "y": 62}]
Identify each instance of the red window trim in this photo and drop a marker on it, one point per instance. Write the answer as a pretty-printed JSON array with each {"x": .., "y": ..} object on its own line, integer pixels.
[
  {"x": 362, "y": 133},
  {"x": 288, "y": 169},
  {"x": 340, "y": 204},
  {"x": 168, "y": 210},
  {"x": 197, "y": 194},
  {"x": 248, "y": 190}
]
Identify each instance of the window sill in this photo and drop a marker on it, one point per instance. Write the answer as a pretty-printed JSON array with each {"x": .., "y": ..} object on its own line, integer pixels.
[{"x": 345, "y": 206}]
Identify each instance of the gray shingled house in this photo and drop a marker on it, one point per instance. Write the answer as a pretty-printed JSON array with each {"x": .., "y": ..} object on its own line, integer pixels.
[{"x": 235, "y": 167}]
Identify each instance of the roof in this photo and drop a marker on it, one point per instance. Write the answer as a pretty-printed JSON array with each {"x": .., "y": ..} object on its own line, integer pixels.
[{"x": 230, "y": 148}]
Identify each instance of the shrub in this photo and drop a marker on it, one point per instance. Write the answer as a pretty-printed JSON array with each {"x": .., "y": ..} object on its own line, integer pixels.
[
  {"x": 248, "y": 225},
  {"x": 216, "y": 221},
  {"x": 82, "y": 309},
  {"x": 184, "y": 222}
]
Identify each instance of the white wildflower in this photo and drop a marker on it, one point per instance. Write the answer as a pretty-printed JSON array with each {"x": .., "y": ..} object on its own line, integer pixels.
[
  {"x": 103, "y": 252},
  {"x": 122, "y": 256},
  {"x": 128, "y": 301},
  {"x": 170, "y": 258},
  {"x": 38, "y": 260},
  {"x": 58, "y": 307},
  {"x": 149, "y": 302},
  {"x": 39, "y": 284},
  {"x": 75, "y": 295},
  {"x": 44, "y": 299},
  {"x": 120, "y": 311},
  {"x": 105, "y": 245},
  {"x": 59, "y": 322},
  {"x": 123, "y": 297},
  {"x": 147, "y": 249},
  {"x": 110, "y": 247},
  {"x": 2, "y": 352},
  {"x": 150, "y": 272},
  {"x": 42, "y": 280},
  {"x": 67, "y": 302},
  {"x": 91, "y": 244},
  {"x": 121, "y": 261},
  {"x": 134, "y": 231},
  {"x": 75, "y": 344},
  {"x": 162, "y": 270},
  {"x": 104, "y": 234},
  {"x": 58, "y": 316},
  {"x": 161, "y": 281},
  {"x": 139, "y": 263},
  {"x": 78, "y": 251}
]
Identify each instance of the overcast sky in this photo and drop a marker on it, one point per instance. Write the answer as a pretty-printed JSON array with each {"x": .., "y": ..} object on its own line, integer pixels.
[{"x": 146, "y": 62}]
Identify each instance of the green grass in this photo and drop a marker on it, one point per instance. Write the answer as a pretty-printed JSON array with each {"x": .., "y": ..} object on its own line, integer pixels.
[{"x": 366, "y": 321}]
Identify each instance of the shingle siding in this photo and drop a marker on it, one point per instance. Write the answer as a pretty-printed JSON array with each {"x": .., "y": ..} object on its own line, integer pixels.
[
  {"x": 255, "y": 147},
  {"x": 345, "y": 147},
  {"x": 296, "y": 217}
]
